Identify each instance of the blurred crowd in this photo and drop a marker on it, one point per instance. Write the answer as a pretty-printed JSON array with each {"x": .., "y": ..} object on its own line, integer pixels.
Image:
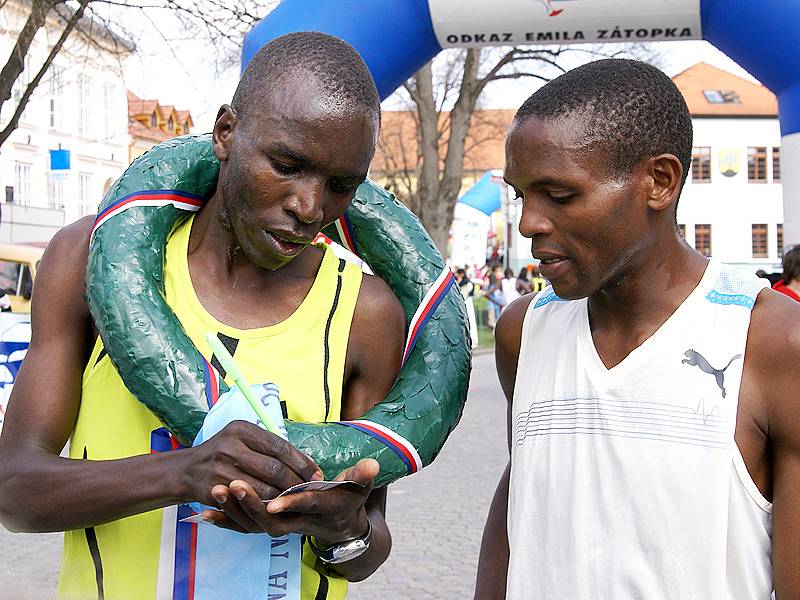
[{"x": 499, "y": 286}]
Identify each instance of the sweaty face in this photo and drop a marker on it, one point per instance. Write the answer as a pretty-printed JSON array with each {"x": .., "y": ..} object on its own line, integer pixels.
[
  {"x": 291, "y": 168},
  {"x": 586, "y": 223}
]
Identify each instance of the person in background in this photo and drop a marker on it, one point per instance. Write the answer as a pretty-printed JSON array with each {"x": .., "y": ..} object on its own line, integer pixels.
[
  {"x": 494, "y": 294},
  {"x": 790, "y": 283},
  {"x": 467, "y": 289},
  {"x": 523, "y": 285},
  {"x": 509, "y": 287},
  {"x": 537, "y": 281}
]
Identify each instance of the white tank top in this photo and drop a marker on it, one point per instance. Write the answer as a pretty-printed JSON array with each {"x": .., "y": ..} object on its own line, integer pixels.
[{"x": 626, "y": 483}]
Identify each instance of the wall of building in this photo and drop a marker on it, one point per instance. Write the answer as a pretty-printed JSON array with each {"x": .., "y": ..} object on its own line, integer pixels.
[
  {"x": 79, "y": 106},
  {"x": 731, "y": 205}
]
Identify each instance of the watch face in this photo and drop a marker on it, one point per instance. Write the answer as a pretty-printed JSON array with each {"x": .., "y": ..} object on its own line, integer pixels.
[{"x": 349, "y": 551}]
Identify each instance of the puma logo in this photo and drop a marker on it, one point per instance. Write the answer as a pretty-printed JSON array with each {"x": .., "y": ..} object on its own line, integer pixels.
[{"x": 695, "y": 359}]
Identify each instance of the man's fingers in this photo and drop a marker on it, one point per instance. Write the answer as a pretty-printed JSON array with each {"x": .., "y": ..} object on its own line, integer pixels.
[
  {"x": 270, "y": 444},
  {"x": 270, "y": 470},
  {"x": 364, "y": 472},
  {"x": 231, "y": 506}
]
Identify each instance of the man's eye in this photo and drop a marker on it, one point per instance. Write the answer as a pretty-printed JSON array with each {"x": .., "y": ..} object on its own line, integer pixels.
[
  {"x": 561, "y": 196},
  {"x": 284, "y": 168},
  {"x": 341, "y": 187}
]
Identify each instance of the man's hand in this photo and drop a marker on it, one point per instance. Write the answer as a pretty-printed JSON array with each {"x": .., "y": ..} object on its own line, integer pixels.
[
  {"x": 244, "y": 452},
  {"x": 331, "y": 516}
]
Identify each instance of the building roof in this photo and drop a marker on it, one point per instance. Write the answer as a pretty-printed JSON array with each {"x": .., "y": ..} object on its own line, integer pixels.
[
  {"x": 140, "y": 106},
  {"x": 713, "y": 92},
  {"x": 184, "y": 116},
  {"x": 140, "y": 111}
]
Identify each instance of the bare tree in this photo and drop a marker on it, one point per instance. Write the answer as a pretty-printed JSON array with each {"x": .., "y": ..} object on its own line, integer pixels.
[
  {"x": 103, "y": 23},
  {"x": 442, "y": 123}
]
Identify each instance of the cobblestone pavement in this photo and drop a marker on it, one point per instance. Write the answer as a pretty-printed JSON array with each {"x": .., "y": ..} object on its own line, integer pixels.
[{"x": 436, "y": 517}]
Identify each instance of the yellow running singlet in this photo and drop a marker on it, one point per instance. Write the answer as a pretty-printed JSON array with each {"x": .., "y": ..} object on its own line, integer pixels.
[{"x": 131, "y": 559}]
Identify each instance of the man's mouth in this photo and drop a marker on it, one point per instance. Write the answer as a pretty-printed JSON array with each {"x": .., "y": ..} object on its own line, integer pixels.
[
  {"x": 553, "y": 260},
  {"x": 288, "y": 245}
]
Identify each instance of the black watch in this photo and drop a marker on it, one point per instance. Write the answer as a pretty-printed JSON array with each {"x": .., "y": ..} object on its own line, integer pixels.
[{"x": 343, "y": 551}]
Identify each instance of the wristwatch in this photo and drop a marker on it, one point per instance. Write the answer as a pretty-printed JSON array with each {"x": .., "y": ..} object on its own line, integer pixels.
[{"x": 343, "y": 551}]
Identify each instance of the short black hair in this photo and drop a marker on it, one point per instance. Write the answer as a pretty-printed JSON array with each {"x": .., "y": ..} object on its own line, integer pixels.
[
  {"x": 631, "y": 111},
  {"x": 791, "y": 264},
  {"x": 334, "y": 65}
]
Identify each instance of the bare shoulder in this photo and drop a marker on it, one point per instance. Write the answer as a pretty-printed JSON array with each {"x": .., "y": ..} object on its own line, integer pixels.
[
  {"x": 379, "y": 323},
  {"x": 508, "y": 331},
  {"x": 68, "y": 252},
  {"x": 773, "y": 353},
  {"x": 508, "y": 340}
]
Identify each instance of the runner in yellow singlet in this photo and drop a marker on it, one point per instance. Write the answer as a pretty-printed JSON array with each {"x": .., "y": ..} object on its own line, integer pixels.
[{"x": 294, "y": 145}]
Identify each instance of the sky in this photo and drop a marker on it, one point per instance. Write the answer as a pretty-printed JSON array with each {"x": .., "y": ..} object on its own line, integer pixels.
[{"x": 179, "y": 68}]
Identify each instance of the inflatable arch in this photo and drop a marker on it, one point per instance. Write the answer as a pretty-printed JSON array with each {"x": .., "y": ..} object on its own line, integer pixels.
[{"x": 397, "y": 37}]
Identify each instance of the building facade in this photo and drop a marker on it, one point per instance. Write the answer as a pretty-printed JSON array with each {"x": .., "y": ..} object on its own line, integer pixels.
[
  {"x": 732, "y": 204},
  {"x": 72, "y": 140}
]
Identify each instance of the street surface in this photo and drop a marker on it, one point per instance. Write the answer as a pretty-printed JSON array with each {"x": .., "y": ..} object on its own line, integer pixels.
[{"x": 436, "y": 516}]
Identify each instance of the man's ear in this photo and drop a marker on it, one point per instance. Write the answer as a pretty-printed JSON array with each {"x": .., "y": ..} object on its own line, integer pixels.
[
  {"x": 666, "y": 174},
  {"x": 223, "y": 131}
]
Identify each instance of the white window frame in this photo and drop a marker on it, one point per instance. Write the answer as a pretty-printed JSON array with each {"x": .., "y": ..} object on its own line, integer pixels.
[
  {"x": 109, "y": 91},
  {"x": 55, "y": 193},
  {"x": 85, "y": 206},
  {"x": 84, "y": 104},
  {"x": 56, "y": 95},
  {"x": 22, "y": 183}
]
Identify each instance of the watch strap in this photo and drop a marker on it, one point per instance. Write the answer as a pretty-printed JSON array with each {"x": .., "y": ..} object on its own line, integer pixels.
[{"x": 343, "y": 551}]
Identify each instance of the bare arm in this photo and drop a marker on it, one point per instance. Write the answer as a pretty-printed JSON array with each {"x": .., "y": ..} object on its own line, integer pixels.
[
  {"x": 44, "y": 407},
  {"x": 772, "y": 360},
  {"x": 493, "y": 562}
]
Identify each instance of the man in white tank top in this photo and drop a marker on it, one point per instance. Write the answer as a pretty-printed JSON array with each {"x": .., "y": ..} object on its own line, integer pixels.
[{"x": 654, "y": 415}]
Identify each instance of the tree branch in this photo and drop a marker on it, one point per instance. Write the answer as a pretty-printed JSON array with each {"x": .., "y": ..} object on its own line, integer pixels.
[{"x": 26, "y": 95}]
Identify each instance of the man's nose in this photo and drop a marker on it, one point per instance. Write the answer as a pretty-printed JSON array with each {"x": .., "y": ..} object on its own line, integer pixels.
[
  {"x": 307, "y": 203},
  {"x": 534, "y": 222}
]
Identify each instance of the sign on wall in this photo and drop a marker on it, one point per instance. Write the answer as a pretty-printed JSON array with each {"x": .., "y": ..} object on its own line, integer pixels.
[
  {"x": 537, "y": 22},
  {"x": 729, "y": 161}
]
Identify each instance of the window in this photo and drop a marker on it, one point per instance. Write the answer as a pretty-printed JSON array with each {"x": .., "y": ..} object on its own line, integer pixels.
[
  {"x": 701, "y": 164},
  {"x": 702, "y": 239},
  {"x": 780, "y": 240},
  {"x": 776, "y": 164},
  {"x": 757, "y": 164},
  {"x": 84, "y": 104},
  {"x": 108, "y": 109},
  {"x": 760, "y": 244},
  {"x": 86, "y": 206},
  {"x": 721, "y": 97},
  {"x": 55, "y": 193},
  {"x": 171, "y": 124},
  {"x": 22, "y": 183},
  {"x": 153, "y": 120},
  {"x": 56, "y": 92}
]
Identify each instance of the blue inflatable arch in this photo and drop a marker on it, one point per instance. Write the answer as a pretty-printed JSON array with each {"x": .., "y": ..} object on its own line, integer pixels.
[{"x": 397, "y": 37}]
